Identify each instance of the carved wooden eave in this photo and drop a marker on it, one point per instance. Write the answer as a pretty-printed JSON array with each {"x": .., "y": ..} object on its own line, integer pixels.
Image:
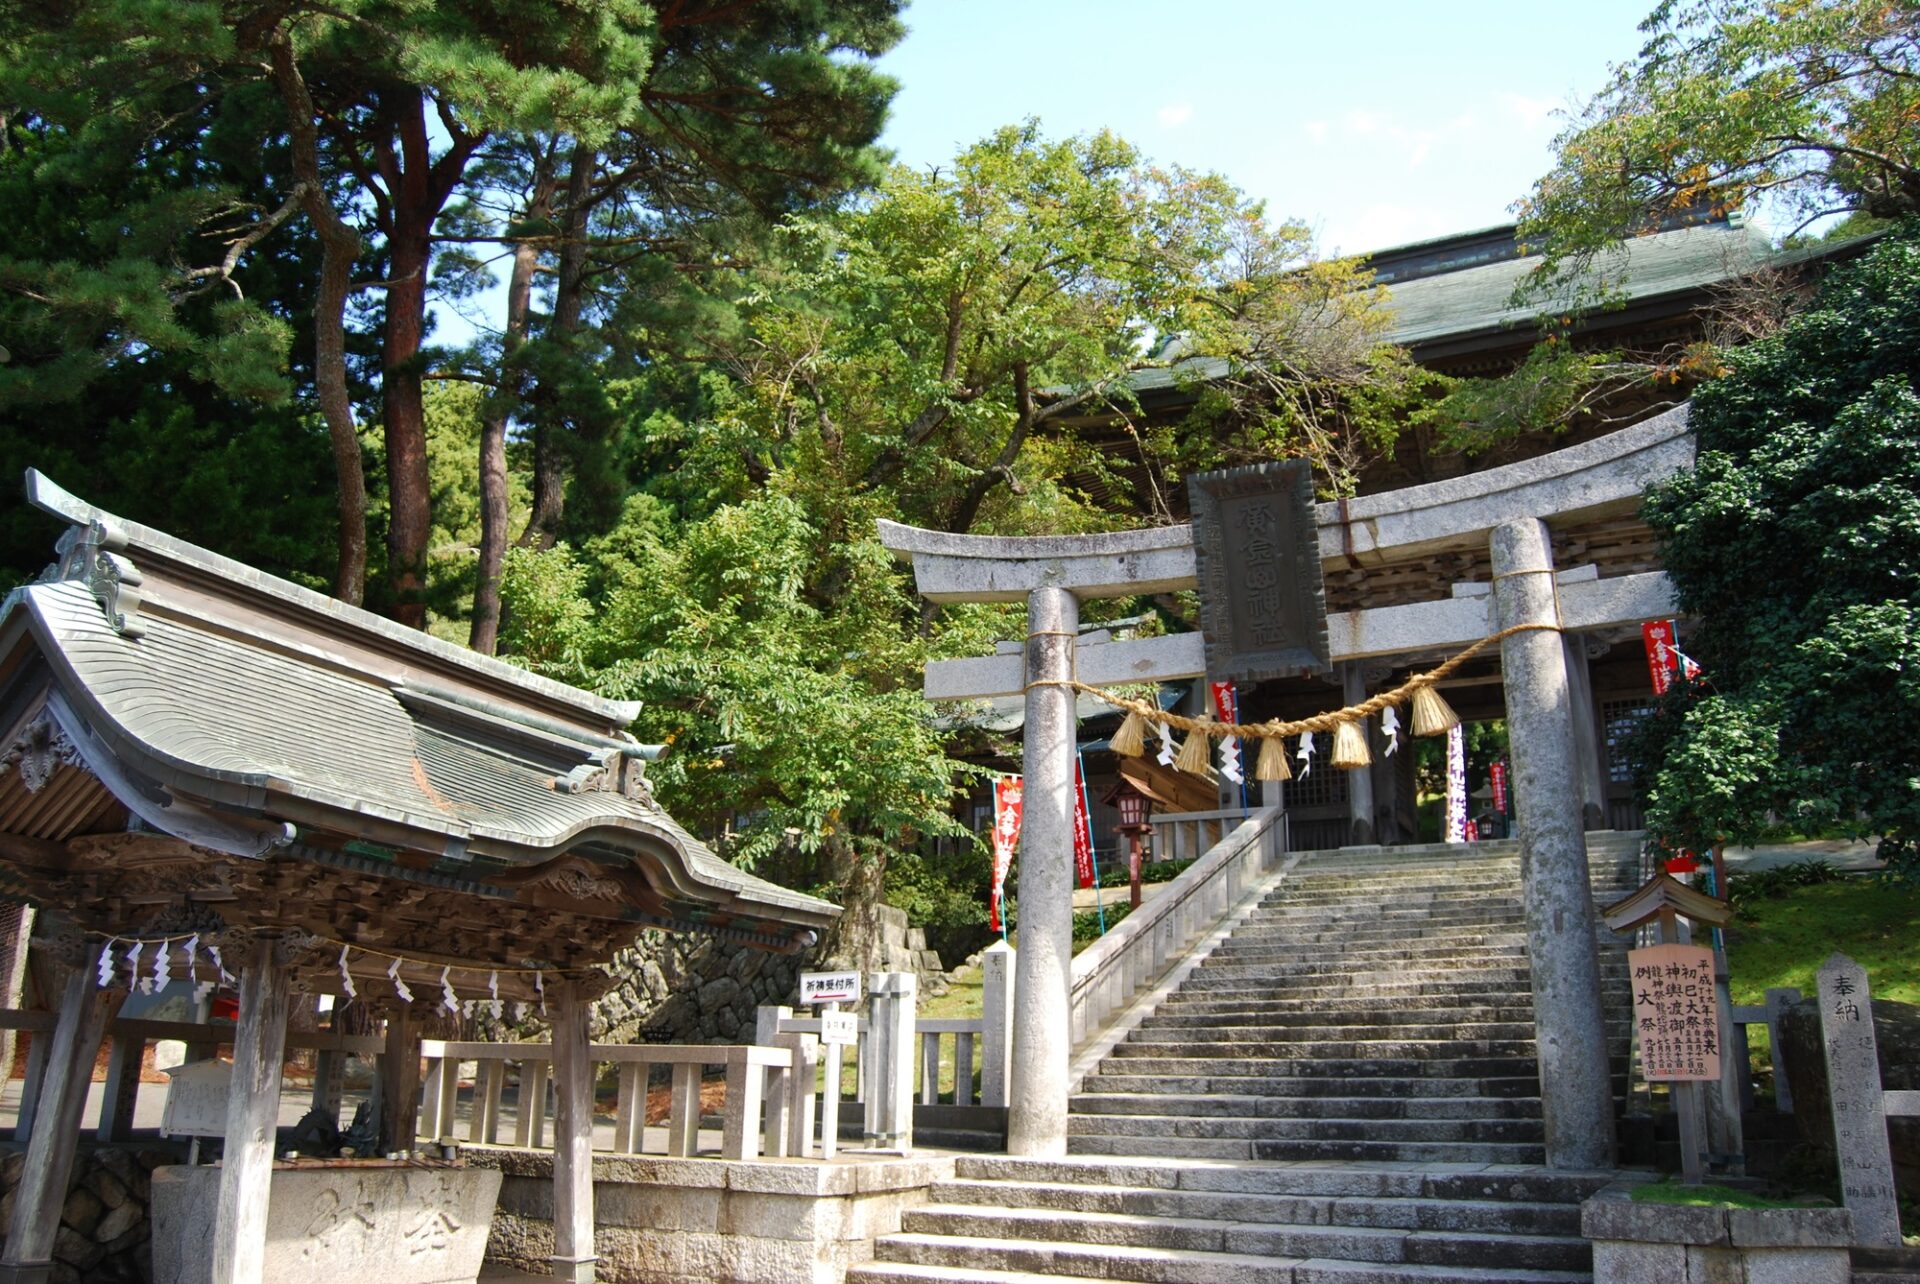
[{"x": 185, "y": 738}]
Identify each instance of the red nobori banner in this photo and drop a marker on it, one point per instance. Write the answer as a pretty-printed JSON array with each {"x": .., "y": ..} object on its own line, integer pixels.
[
  {"x": 1497, "y": 777},
  {"x": 1082, "y": 829},
  {"x": 1007, "y": 797},
  {"x": 1226, "y": 702},
  {"x": 1664, "y": 659}
]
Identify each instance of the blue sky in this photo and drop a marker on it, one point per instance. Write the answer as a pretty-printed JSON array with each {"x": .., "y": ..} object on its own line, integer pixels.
[{"x": 1376, "y": 123}]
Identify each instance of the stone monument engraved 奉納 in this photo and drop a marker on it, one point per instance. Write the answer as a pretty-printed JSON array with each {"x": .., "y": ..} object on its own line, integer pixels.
[{"x": 1263, "y": 606}]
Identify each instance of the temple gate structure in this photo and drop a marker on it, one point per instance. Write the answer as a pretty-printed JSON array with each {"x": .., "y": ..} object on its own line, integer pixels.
[
  {"x": 210, "y": 771},
  {"x": 1502, "y": 524}
]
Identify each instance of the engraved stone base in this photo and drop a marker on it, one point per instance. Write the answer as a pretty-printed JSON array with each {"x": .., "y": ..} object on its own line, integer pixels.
[{"x": 369, "y": 1225}]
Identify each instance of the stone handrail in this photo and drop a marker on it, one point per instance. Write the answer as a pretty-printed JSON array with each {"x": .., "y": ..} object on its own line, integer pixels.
[
  {"x": 1151, "y": 939},
  {"x": 757, "y": 1077},
  {"x": 1185, "y": 835}
]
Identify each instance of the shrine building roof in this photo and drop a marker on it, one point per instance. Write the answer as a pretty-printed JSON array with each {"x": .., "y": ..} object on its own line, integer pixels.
[{"x": 244, "y": 716}]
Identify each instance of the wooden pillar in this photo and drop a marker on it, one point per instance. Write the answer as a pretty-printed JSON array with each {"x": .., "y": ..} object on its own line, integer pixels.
[
  {"x": 400, "y": 1082},
  {"x": 73, "y": 1046},
  {"x": 1589, "y": 755},
  {"x": 1360, "y": 827},
  {"x": 253, "y": 1116},
  {"x": 573, "y": 1256}
]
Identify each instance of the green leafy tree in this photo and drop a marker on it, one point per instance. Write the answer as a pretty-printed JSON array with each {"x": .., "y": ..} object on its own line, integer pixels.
[
  {"x": 1795, "y": 541},
  {"x": 793, "y": 740},
  {"x": 1807, "y": 105}
]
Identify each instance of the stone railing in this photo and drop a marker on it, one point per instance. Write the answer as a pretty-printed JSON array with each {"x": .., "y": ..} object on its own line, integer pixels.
[
  {"x": 1150, "y": 940},
  {"x": 1184, "y": 835},
  {"x": 1742, "y": 1015},
  {"x": 130, "y": 1037},
  {"x": 765, "y": 1099}
]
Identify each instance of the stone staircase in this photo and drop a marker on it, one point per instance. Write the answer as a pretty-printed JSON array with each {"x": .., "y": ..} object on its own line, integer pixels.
[{"x": 1344, "y": 1091}]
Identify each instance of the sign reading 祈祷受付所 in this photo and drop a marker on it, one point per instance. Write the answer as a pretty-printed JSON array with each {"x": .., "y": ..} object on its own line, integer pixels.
[
  {"x": 1674, "y": 1012},
  {"x": 829, "y": 987}
]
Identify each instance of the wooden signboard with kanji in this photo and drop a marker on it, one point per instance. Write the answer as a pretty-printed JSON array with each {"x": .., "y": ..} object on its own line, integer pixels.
[{"x": 1674, "y": 1012}]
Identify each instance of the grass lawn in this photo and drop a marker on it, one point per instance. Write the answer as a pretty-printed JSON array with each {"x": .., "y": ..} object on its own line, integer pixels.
[{"x": 1783, "y": 940}]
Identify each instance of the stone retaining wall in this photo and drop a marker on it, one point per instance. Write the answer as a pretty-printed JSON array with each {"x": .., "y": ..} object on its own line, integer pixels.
[{"x": 104, "y": 1232}]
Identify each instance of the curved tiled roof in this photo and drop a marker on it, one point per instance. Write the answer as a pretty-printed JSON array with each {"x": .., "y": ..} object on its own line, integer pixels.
[{"x": 236, "y": 692}]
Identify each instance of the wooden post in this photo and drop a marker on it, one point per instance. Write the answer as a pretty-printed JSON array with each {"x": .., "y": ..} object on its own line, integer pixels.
[
  {"x": 72, "y": 1048},
  {"x": 253, "y": 1116},
  {"x": 38, "y": 1051},
  {"x": 573, "y": 1257},
  {"x": 1687, "y": 1103},
  {"x": 400, "y": 1082},
  {"x": 122, "y": 1087}
]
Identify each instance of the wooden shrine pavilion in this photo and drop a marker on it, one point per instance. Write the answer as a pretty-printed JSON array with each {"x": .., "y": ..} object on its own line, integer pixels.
[{"x": 237, "y": 774}]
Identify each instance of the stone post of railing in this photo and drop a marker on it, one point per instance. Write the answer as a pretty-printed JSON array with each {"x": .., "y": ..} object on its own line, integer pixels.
[
  {"x": 800, "y": 1087},
  {"x": 996, "y": 1014},
  {"x": 890, "y": 1032}
]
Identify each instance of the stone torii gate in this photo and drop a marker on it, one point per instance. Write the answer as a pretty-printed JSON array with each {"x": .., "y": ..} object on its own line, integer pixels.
[{"x": 1501, "y": 509}]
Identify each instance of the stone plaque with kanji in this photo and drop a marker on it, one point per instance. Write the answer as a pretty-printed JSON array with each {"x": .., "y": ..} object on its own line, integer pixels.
[
  {"x": 1674, "y": 1012},
  {"x": 1263, "y": 606}
]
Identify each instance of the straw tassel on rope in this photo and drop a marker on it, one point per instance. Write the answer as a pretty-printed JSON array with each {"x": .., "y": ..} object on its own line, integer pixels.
[
  {"x": 1432, "y": 715},
  {"x": 1195, "y": 753},
  {"x": 1131, "y": 739},
  {"x": 1272, "y": 763},
  {"x": 1350, "y": 746}
]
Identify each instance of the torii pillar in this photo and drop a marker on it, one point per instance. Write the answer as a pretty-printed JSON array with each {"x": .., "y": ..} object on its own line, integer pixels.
[{"x": 1053, "y": 574}]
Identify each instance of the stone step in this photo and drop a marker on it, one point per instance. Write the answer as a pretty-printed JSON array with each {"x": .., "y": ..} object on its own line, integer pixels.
[
  {"x": 1297, "y": 1148},
  {"x": 1258, "y": 1106},
  {"x": 1197, "y": 1004},
  {"x": 1307, "y": 1086},
  {"x": 1283, "y": 947},
  {"x": 1454, "y": 1031},
  {"x": 1315, "y": 1210},
  {"x": 878, "y": 1272},
  {"x": 1272, "y": 930},
  {"x": 1357, "y": 1181},
  {"x": 1269, "y": 1128},
  {"x": 1227, "y": 978},
  {"x": 1279, "y": 1240},
  {"x": 1382, "y": 1016},
  {"x": 1221, "y": 1068},
  {"x": 1076, "y": 1261},
  {"x": 1329, "y": 1049},
  {"x": 1358, "y": 914}
]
